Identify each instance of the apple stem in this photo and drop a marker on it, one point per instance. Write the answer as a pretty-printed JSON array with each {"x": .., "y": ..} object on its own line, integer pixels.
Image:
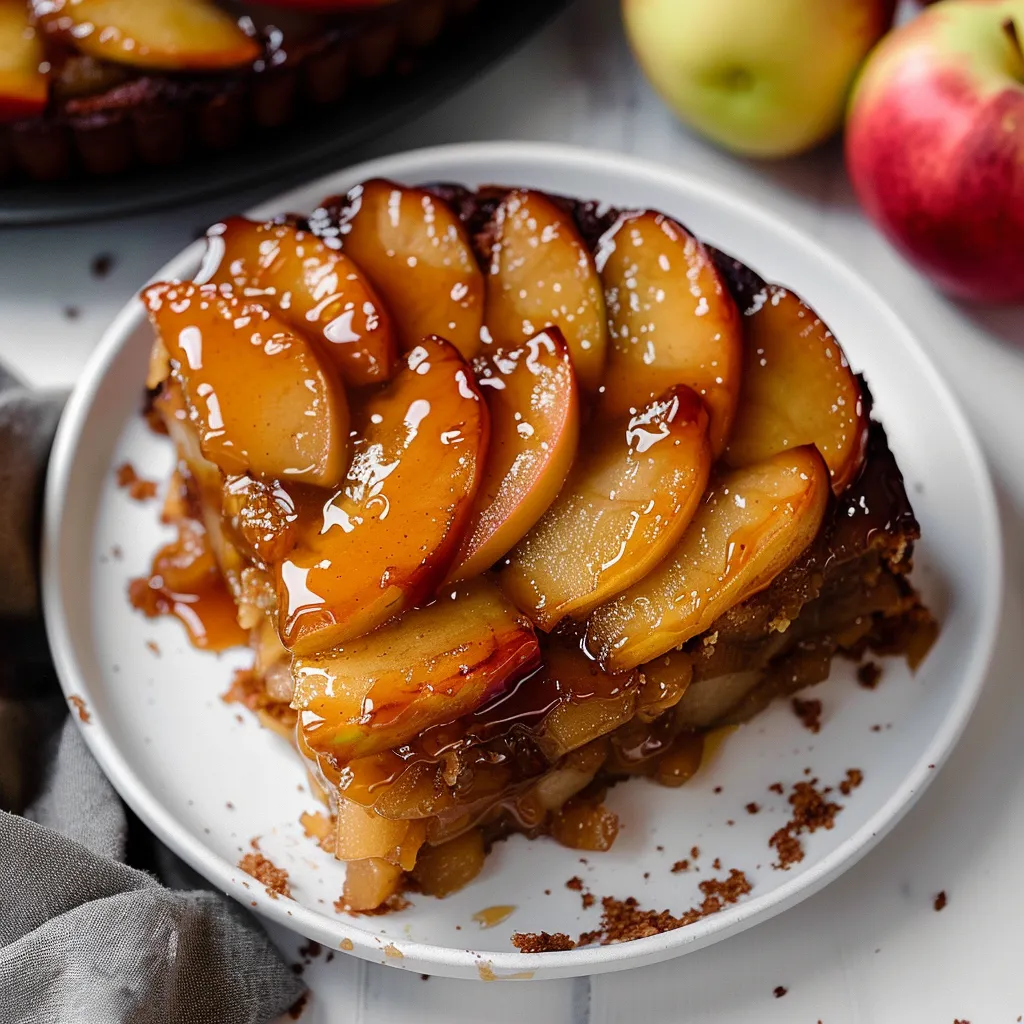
[{"x": 1010, "y": 28}]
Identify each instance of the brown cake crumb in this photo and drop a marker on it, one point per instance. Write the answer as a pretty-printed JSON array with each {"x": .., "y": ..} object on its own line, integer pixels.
[
  {"x": 695, "y": 852},
  {"x": 809, "y": 713},
  {"x": 788, "y": 847},
  {"x": 623, "y": 920},
  {"x": 298, "y": 1006},
  {"x": 101, "y": 264},
  {"x": 542, "y": 942},
  {"x": 680, "y": 865},
  {"x": 753, "y": 808},
  {"x": 776, "y": 787},
  {"x": 576, "y": 884},
  {"x": 265, "y": 871},
  {"x": 811, "y": 811},
  {"x": 854, "y": 777},
  {"x": 80, "y": 708},
  {"x": 779, "y": 991},
  {"x": 869, "y": 675},
  {"x": 153, "y": 646},
  {"x": 138, "y": 489},
  {"x": 940, "y": 900},
  {"x": 717, "y": 864}
]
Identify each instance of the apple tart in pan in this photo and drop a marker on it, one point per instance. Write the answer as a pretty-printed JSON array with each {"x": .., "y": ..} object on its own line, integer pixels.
[
  {"x": 514, "y": 497},
  {"x": 94, "y": 88}
]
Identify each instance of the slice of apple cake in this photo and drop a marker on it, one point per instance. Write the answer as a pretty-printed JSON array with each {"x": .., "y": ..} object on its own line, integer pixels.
[{"x": 513, "y": 497}]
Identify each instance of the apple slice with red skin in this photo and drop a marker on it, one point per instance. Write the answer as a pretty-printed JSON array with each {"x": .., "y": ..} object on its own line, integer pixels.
[
  {"x": 671, "y": 320},
  {"x": 532, "y": 398},
  {"x": 260, "y": 399},
  {"x": 751, "y": 525},
  {"x": 797, "y": 389},
  {"x": 318, "y": 290},
  {"x": 431, "y": 666},
  {"x": 417, "y": 255},
  {"x": 626, "y": 503},
  {"x": 387, "y": 538},
  {"x": 541, "y": 274},
  {"x": 24, "y": 89},
  {"x": 176, "y": 35}
]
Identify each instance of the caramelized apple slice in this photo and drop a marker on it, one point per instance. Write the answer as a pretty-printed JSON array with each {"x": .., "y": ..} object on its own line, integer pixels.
[
  {"x": 431, "y": 666},
  {"x": 361, "y": 834},
  {"x": 386, "y": 540},
  {"x": 178, "y": 35},
  {"x": 625, "y": 504},
  {"x": 23, "y": 87},
  {"x": 541, "y": 274},
  {"x": 415, "y": 251},
  {"x": 670, "y": 320},
  {"x": 752, "y": 523},
  {"x": 369, "y": 883},
  {"x": 797, "y": 389},
  {"x": 260, "y": 400},
  {"x": 534, "y": 410},
  {"x": 450, "y": 866},
  {"x": 590, "y": 701},
  {"x": 318, "y": 290}
]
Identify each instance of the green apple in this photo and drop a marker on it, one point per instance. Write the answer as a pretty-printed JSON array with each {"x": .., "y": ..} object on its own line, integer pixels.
[{"x": 766, "y": 78}]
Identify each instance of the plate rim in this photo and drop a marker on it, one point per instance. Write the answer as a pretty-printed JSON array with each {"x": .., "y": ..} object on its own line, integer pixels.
[{"x": 590, "y": 959}]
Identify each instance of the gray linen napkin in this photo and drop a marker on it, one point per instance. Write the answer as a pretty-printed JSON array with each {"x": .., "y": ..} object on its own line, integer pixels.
[{"x": 85, "y": 939}]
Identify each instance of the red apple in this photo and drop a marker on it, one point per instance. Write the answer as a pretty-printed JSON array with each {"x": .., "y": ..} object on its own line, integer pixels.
[{"x": 935, "y": 145}]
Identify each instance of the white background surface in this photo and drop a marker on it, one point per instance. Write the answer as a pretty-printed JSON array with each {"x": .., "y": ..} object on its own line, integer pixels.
[{"x": 869, "y": 949}]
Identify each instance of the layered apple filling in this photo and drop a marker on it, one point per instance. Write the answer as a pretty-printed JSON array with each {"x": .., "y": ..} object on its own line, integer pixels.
[{"x": 514, "y": 497}]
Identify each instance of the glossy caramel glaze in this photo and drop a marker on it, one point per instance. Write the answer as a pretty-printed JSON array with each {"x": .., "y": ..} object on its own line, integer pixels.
[
  {"x": 186, "y": 582},
  {"x": 387, "y": 538}
]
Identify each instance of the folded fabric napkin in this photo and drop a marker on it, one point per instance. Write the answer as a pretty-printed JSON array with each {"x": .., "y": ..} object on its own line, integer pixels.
[{"x": 84, "y": 938}]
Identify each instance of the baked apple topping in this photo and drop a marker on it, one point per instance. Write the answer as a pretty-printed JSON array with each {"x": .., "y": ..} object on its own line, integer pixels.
[{"x": 513, "y": 498}]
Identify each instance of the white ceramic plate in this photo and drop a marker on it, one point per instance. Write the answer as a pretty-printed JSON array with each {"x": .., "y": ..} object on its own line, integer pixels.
[{"x": 206, "y": 780}]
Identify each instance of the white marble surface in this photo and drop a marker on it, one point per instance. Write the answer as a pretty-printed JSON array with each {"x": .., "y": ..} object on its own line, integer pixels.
[{"x": 869, "y": 949}]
